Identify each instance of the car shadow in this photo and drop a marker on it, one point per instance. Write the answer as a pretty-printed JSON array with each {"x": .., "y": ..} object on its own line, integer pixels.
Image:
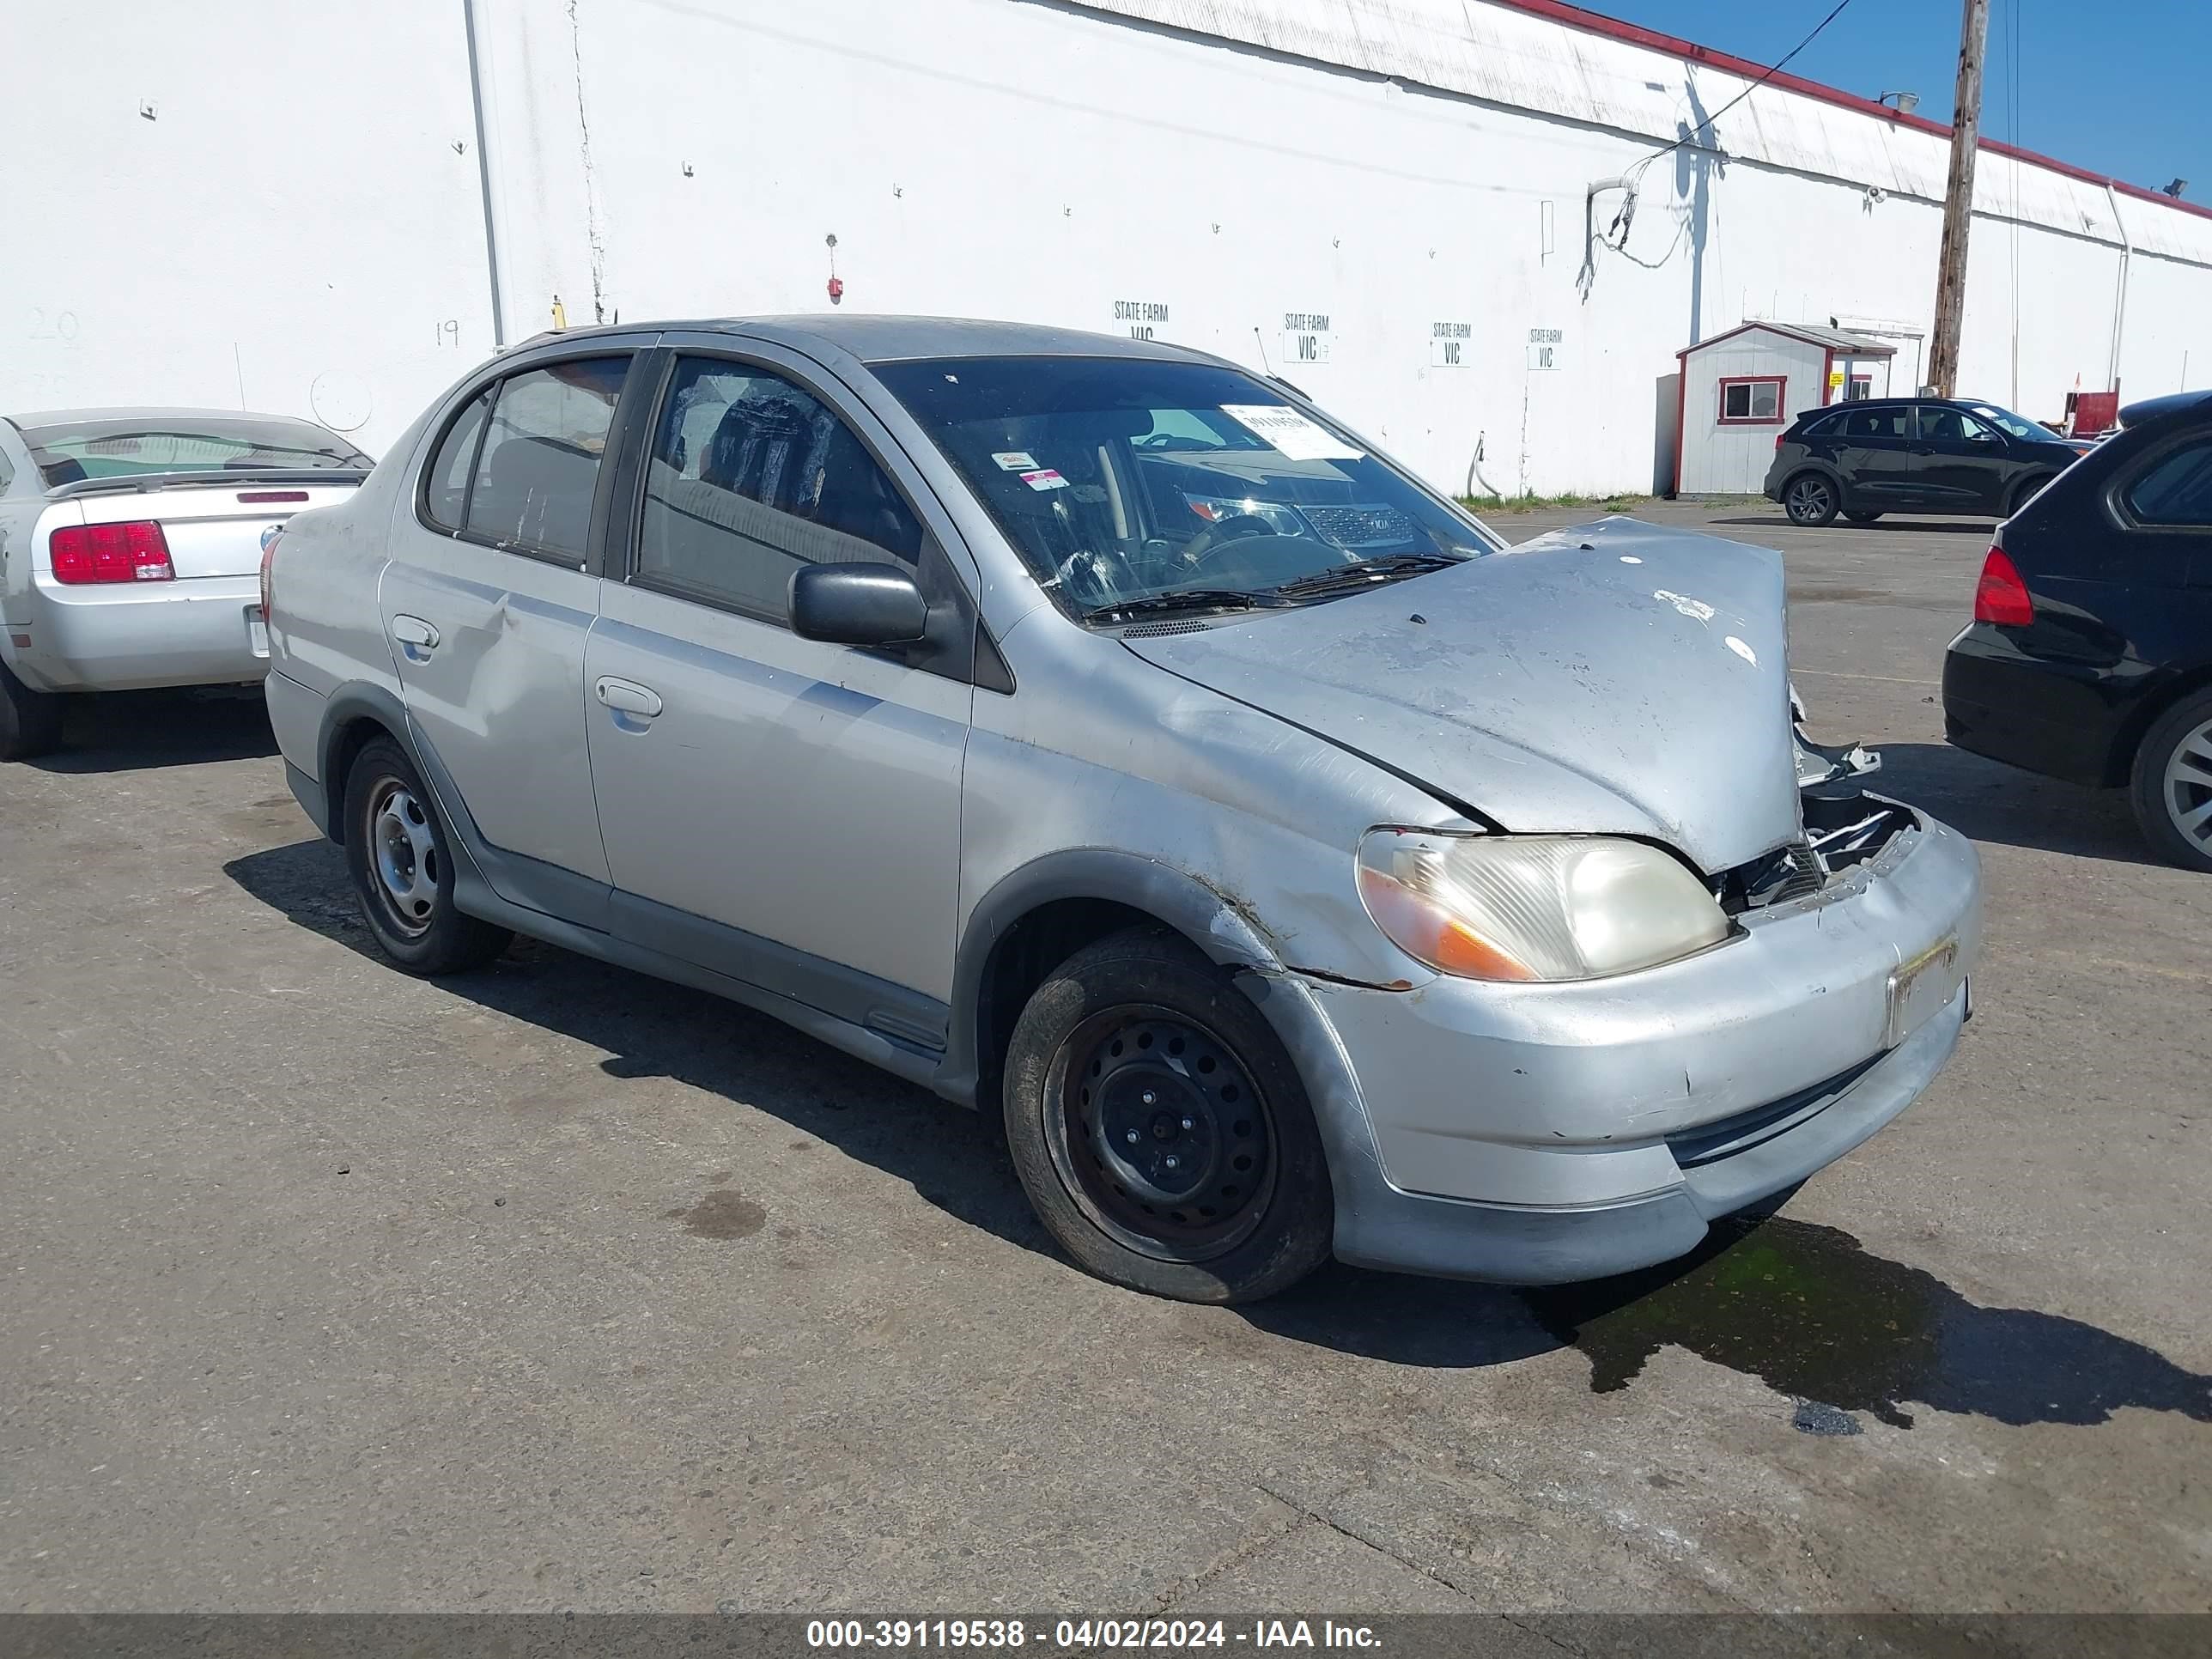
[
  {"x": 1834, "y": 1327},
  {"x": 1968, "y": 526},
  {"x": 1988, "y": 801},
  {"x": 132, "y": 731}
]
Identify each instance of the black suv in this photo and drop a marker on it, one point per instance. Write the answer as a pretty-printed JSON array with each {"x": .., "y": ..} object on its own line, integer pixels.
[
  {"x": 2090, "y": 653},
  {"x": 1946, "y": 455}
]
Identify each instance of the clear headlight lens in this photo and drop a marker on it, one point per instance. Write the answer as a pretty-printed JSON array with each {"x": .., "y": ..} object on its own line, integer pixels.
[{"x": 1534, "y": 907}]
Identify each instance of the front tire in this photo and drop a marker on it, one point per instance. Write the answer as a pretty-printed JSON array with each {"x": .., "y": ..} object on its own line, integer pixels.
[
  {"x": 2023, "y": 492},
  {"x": 1810, "y": 500},
  {"x": 403, "y": 873},
  {"x": 2171, "y": 787},
  {"x": 30, "y": 721},
  {"x": 1161, "y": 1132}
]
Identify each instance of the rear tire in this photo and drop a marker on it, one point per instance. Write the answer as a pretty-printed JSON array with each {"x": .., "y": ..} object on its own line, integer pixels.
[
  {"x": 30, "y": 721},
  {"x": 1861, "y": 518},
  {"x": 1810, "y": 500},
  {"x": 403, "y": 872},
  {"x": 2171, "y": 787},
  {"x": 1161, "y": 1132},
  {"x": 2024, "y": 492}
]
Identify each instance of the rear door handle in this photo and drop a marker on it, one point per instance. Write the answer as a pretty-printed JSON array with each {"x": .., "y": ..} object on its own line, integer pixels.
[
  {"x": 627, "y": 696},
  {"x": 417, "y": 636}
]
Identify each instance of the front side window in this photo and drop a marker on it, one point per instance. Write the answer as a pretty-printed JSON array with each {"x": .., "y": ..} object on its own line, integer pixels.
[
  {"x": 1121, "y": 480},
  {"x": 1751, "y": 401},
  {"x": 2176, "y": 492},
  {"x": 1951, "y": 426},
  {"x": 531, "y": 486},
  {"x": 753, "y": 476}
]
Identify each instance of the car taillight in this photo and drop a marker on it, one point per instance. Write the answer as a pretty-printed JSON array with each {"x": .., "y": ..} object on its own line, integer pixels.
[
  {"x": 2001, "y": 597},
  {"x": 133, "y": 552},
  {"x": 269, "y": 538},
  {"x": 1777, "y": 443}
]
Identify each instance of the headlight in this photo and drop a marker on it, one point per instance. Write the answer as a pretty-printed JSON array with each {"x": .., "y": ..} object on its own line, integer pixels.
[
  {"x": 1534, "y": 907},
  {"x": 1215, "y": 509}
]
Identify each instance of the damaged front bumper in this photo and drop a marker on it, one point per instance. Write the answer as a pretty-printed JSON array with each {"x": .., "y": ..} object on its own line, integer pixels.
[{"x": 1536, "y": 1133}]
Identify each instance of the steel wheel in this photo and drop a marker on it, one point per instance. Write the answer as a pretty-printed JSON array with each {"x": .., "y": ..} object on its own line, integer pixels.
[
  {"x": 1159, "y": 1134},
  {"x": 1809, "y": 500},
  {"x": 404, "y": 852},
  {"x": 2186, "y": 791}
]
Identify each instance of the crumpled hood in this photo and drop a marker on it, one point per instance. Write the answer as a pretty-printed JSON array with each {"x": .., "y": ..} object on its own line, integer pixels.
[{"x": 1620, "y": 677}]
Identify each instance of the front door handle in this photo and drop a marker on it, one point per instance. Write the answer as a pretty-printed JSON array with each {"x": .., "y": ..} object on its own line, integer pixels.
[
  {"x": 417, "y": 638},
  {"x": 627, "y": 697}
]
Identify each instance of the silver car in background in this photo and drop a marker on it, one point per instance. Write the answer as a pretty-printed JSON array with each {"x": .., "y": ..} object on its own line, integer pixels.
[
  {"x": 1100, "y": 735},
  {"x": 131, "y": 543}
]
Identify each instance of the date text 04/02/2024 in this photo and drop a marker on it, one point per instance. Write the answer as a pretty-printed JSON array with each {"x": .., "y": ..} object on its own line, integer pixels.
[{"x": 1085, "y": 1633}]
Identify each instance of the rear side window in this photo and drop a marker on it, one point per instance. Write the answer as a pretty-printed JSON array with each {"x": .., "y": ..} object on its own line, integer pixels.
[
  {"x": 1877, "y": 423},
  {"x": 1828, "y": 426},
  {"x": 2176, "y": 491},
  {"x": 752, "y": 476},
  {"x": 445, "y": 491},
  {"x": 532, "y": 485}
]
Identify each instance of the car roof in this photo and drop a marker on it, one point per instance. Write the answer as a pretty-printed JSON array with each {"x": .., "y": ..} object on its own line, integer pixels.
[
  {"x": 2152, "y": 409},
  {"x": 883, "y": 339}
]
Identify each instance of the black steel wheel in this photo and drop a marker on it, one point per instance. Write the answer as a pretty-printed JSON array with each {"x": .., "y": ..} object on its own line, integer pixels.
[
  {"x": 1161, "y": 1132},
  {"x": 1810, "y": 499}
]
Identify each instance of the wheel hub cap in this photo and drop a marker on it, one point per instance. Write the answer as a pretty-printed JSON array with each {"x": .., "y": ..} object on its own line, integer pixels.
[
  {"x": 2188, "y": 788},
  {"x": 405, "y": 854}
]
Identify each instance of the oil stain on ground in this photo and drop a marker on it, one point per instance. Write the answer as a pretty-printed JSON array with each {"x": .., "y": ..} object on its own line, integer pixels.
[
  {"x": 722, "y": 1214},
  {"x": 1811, "y": 1313}
]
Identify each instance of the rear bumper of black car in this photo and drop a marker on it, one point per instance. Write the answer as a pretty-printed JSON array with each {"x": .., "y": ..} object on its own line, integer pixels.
[{"x": 2062, "y": 719}]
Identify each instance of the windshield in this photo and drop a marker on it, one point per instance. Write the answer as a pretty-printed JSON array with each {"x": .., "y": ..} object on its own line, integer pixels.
[
  {"x": 2012, "y": 425},
  {"x": 134, "y": 446},
  {"x": 1121, "y": 479}
]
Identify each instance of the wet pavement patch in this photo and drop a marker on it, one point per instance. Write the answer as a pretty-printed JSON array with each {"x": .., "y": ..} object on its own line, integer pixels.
[
  {"x": 1811, "y": 1313},
  {"x": 722, "y": 1214}
]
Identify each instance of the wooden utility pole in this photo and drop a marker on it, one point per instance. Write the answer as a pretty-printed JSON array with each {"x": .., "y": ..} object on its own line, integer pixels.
[{"x": 1959, "y": 199}]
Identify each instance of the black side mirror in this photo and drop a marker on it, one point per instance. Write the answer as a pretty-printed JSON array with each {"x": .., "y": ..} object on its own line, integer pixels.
[{"x": 857, "y": 604}]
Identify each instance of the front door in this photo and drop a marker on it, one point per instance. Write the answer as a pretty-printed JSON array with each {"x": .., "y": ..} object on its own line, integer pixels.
[
  {"x": 1962, "y": 463},
  {"x": 1874, "y": 454},
  {"x": 487, "y": 603},
  {"x": 782, "y": 810}
]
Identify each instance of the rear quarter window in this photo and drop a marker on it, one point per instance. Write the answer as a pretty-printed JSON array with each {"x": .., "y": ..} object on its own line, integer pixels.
[{"x": 2175, "y": 491}]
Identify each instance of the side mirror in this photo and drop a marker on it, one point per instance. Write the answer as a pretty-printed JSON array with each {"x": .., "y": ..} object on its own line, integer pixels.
[{"x": 857, "y": 604}]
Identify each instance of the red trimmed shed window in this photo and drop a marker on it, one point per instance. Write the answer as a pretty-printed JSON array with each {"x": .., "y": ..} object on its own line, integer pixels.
[{"x": 1751, "y": 400}]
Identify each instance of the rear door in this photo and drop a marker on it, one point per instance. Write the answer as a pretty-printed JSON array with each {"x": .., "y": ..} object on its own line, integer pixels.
[
  {"x": 489, "y": 595},
  {"x": 783, "y": 811},
  {"x": 1873, "y": 452},
  {"x": 1961, "y": 464}
]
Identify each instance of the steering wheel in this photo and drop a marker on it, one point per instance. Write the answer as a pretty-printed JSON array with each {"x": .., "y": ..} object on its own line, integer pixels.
[{"x": 1223, "y": 533}]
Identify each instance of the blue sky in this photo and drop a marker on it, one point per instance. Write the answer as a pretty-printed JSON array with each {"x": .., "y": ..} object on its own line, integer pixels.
[{"x": 2117, "y": 87}]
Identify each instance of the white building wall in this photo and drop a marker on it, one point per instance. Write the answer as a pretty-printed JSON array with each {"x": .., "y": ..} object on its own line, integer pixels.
[
  {"x": 1391, "y": 165},
  {"x": 1732, "y": 460}
]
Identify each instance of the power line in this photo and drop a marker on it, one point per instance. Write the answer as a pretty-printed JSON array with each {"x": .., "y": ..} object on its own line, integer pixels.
[{"x": 1711, "y": 122}]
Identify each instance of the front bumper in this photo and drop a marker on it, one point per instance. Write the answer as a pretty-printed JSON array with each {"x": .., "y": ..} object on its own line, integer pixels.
[
  {"x": 1538, "y": 1133},
  {"x": 117, "y": 638}
]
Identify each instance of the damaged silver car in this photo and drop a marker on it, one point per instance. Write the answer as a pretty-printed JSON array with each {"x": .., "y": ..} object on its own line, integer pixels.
[{"x": 1102, "y": 736}]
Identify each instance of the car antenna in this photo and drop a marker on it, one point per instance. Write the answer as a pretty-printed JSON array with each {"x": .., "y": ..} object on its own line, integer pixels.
[{"x": 1266, "y": 368}]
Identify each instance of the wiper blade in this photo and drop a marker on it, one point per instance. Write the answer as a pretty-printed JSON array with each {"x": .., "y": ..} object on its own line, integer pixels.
[
  {"x": 1181, "y": 598},
  {"x": 1364, "y": 573}
]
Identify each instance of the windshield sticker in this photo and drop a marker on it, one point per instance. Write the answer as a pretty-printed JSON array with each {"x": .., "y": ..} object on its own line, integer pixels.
[
  {"x": 1016, "y": 460},
  {"x": 1044, "y": 478},
  {"x": 1291, "y": 433}
]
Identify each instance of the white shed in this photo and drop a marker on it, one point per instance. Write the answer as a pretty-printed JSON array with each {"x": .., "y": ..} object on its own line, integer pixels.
[{"x": 1739, "y": 390}]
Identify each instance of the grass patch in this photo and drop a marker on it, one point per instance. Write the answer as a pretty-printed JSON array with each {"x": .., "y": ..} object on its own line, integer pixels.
[{"x": 1534, "y": 503}]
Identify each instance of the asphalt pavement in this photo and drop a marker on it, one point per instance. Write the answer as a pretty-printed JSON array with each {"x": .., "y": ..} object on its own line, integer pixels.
[{"x": 555, "y": 1287}]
